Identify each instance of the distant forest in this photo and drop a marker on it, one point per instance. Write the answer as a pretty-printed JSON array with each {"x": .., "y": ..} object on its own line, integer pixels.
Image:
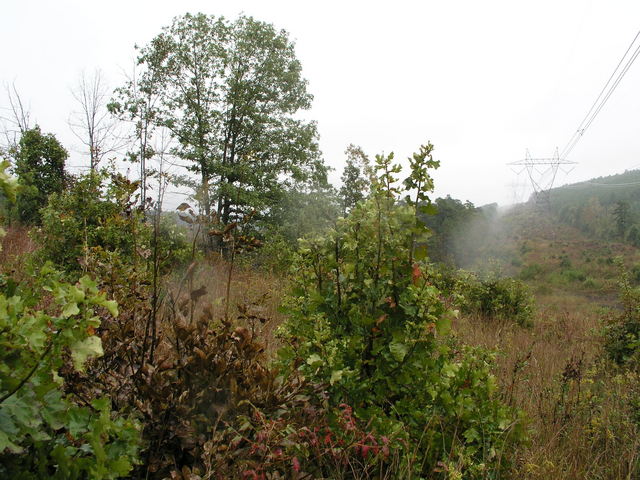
[{"x": 605, "y": 207}]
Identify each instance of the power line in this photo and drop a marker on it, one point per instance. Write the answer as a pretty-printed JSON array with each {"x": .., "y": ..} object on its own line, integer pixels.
[
  {"x": 603, "y": 97},
  {"x": 633, "y": 58},
  {"x": 595, "y": 184}
]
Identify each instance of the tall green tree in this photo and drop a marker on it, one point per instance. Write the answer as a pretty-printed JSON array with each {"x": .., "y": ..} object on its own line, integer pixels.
[
  {"x": 354, "y": 178},
  {"x": 39, "y": 165},
  {"x": 229, "y": 92},
  {"x": 621, "y": 214}
]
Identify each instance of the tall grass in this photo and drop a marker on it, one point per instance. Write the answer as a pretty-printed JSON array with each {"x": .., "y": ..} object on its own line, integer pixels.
[{"x": 582, "y": 419}]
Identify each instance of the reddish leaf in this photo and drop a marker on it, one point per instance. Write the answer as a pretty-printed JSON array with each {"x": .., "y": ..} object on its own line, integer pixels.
[{"x": 416, "y": 273}]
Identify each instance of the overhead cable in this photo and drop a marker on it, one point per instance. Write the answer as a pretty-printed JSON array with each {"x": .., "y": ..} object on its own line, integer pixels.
[{"x": 604, "y": 95}]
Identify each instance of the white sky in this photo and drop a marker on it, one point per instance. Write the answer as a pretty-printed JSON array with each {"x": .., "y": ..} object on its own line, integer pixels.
[{"x": 482, "y": 80}]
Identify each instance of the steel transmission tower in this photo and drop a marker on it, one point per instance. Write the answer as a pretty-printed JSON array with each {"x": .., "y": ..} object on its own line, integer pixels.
[
  {"x": 542, "y": 174},
  {"x": 542, "y": 171}
]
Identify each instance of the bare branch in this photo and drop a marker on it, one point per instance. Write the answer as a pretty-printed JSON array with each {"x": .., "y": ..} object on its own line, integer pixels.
[
  {"x": 18, "y": 117},
  {"x": 92, "y": 124}
]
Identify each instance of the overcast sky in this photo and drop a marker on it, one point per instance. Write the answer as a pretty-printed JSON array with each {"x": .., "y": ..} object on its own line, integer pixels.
[{"x": 482, "y": 80}]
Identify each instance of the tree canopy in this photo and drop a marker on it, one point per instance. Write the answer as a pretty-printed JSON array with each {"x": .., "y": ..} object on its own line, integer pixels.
[
  {"x": 39, "y": 164},
  {"x": 229, "y": 92}
]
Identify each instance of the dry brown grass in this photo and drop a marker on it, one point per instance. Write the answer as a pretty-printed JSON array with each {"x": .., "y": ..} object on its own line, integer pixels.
[
  {"x": 254, "y": 296},
  {"x": 577, "y": 409},
  {"x": 15, "y": 244}
]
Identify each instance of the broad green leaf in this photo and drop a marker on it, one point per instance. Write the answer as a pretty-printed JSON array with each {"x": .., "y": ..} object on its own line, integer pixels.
[
  {"x": 399, "y": 350},
  {"x": 121, "y": 466},
  {"x": 76, "y": 294},
  {"x": 89, "y": 347},
  {"x": 70, "y": 309},
  {"x": 78, "y": 420},
  {"x": 450, "y": 369},
  {"x": 420, "y": 252},
  {"x": 336, "y": 376},
  {"x": 443, "y": 324},
  {"x": 54, "y": 411},
  {"x": 471, "y": 435},
  {"x": 314, "y": 360},
  {"x": 112, "y": 306},
  {"x": 5, "y": 442},
  {"x": 87, "y": 283},
  {"x": 102, "y": 404},
  {"x": 37, "y": 338}
]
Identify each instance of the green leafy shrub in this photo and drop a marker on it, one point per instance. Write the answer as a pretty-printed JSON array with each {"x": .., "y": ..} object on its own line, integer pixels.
[
  {"x": 97, "y": 211},
  {"x": 634, "y": 274},
  {"x": 531, "y": 271},
  {"x": 622, "y": 336},
  {"x": 574, "y": 275},
  {"x": 591, "y": 282},
  {"x": 365, "y": 321},
  {"x": 565, "y": 261},
  {"x": 39, "y": 165},
  {"x": 7, "y": 190},
  {"x": 274, "y": 255},
  {"x": 502, "y": 298},
  {"x": 45, "y": 432},
  {"x": 173, "y": 243}
]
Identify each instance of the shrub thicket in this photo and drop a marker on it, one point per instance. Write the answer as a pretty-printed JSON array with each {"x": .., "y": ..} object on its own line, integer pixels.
[
  {"x": 365, "y": 321},
  {"x": 46, "y": 431},
  {"x": 501, "y": 298},
  {"x": 98, "y": 217},
  {"x": 622, "y": 336},
  {"x": 505, "y": 299},
  {"x": 39, "y": 164}
]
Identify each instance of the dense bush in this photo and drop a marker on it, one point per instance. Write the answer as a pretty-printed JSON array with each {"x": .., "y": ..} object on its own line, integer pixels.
[
  {"x": 98, "y": 217},
  {"x": 172, "y": 242},
  {"x": 39, "y": 164},
  {"x": 365, "y": 321},
  {"x": 622, "y": 336},
  {"x": 46, "y": 431},
  {"x": 7, "y": 193},
  {"x": 96, "y": 211},
  {"x": 501, "y": 298},
  {"x": 529, "y": 272}
]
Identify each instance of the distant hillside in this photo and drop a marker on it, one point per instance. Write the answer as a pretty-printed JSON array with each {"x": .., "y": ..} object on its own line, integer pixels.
[
  {"x": 604, "y": 208},
  {"x": 608, "y": 190}
]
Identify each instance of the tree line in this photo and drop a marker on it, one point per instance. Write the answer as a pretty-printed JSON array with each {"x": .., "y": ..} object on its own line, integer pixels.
[{"x": 220, "y": 99}]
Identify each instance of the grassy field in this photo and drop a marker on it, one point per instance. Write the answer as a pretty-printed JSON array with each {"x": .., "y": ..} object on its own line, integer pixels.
[
  {"x": 581, "y": 412},
  {"x": 577, "y": 406}
]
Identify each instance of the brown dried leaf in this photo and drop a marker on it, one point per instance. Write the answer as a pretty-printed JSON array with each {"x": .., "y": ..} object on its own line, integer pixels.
[
  {"x": 230, "y": 227},
  {"x": 197, "y": 294}
]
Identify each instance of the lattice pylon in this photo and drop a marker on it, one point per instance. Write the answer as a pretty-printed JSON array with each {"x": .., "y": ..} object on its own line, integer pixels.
[{"x": 542, "y": 173}]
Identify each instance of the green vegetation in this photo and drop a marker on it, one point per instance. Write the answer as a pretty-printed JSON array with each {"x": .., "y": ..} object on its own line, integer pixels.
[
  {"x": 228, "y": 91},
  {"x": 39, "y": 164},
  {"x": 623, "y": 334},
  {"x": 285, "y": 328},
  {"x": 505, "y": 299},
  {"x": 43, "y": 431},
  {"x": 364, "y": 320},
  {"x": 606, "y": 207}
]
